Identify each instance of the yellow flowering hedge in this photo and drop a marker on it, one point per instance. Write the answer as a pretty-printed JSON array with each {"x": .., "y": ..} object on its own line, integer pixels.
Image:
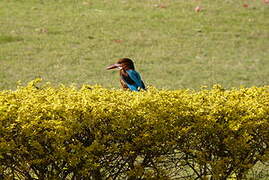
[{"x": 63, "y": 132}]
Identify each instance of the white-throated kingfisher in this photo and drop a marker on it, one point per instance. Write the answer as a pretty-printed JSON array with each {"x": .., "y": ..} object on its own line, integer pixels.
[{"x": 130, "y": 78}]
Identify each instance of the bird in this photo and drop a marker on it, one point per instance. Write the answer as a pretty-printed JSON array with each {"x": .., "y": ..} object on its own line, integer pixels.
[{"x": 129, "y": 77}]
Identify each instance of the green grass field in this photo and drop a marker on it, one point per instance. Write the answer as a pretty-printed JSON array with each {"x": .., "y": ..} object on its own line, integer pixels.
[{"x": 173, "y": 46}]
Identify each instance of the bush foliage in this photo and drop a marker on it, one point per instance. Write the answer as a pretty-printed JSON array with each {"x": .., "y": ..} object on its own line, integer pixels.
[{"x": 63, "y": 132}]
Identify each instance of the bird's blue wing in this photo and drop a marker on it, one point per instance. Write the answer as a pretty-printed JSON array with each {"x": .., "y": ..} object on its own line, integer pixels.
[{"x": 134, "y": 75}]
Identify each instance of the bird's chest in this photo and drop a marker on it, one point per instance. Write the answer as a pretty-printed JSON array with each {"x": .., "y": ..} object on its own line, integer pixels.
[{"x": 125, "y": 77}]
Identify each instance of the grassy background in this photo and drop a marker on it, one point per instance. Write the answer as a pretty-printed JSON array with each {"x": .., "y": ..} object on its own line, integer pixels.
[{"x": 72, "y": 41}]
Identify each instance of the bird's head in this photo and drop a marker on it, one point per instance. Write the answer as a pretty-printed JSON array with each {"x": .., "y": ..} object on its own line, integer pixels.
[{"x": 124, "y": 63}]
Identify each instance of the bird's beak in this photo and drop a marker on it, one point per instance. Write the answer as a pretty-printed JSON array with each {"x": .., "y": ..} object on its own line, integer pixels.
[{"x": 113, "y": 66}]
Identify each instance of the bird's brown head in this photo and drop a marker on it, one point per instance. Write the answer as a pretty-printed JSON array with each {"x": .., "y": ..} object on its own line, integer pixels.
[{"x": 124, "y": 63}]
